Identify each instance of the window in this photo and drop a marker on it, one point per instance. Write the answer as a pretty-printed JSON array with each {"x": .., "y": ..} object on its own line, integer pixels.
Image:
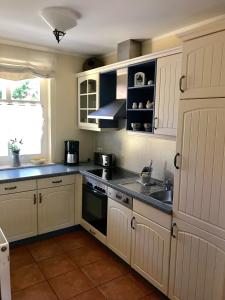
[{"x": 23, "y": 116}]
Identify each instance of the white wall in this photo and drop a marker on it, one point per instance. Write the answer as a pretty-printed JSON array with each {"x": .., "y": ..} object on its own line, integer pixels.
[{"x": 135, "y": 151}]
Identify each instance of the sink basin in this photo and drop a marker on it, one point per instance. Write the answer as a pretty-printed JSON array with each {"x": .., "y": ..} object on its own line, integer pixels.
[{"x": 164, "y": 196}]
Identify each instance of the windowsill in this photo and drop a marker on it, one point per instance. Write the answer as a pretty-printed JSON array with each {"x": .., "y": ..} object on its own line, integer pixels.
[{"x": 23, "y": 165}]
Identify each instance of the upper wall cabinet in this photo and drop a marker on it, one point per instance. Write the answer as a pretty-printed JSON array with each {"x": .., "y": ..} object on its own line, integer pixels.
[
  {"x": 88, "y": 100},
  {"x": 167, "y": 94},
  {"x": 203, "y": 70}
]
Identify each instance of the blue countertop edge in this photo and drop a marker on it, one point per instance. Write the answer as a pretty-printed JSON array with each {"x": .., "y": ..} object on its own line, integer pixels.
[{"x": 35, "y": 172}]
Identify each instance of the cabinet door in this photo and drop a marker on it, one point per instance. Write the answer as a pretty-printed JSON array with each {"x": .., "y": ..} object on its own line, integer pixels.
[
  {"x": 197, "y": 267},
  {"x": 167, "y": 94},
  {"x": 199, "y": 196},
  {"x": 204, "y": 67},
  {"x": 18, "y": 215},
  {"x": 151, "y": 251},
  {"x": 88, "y": 100},
  {"x": 55, "y": 208},
  {"x": 119, "y": 229}
]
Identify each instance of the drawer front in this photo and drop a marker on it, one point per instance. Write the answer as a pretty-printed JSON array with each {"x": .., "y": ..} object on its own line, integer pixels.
[
  {"x": 55, "y": 181},
  {"x": 17, "y": 186},
  {"x": 152, "y": 214}
]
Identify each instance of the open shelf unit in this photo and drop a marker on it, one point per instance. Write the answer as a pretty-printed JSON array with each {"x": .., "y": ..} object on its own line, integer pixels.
[{"x": 142, "y": 93}]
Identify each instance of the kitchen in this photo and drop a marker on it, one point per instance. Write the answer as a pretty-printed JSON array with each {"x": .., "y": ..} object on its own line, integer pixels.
[{"x": 96, "y": 221}]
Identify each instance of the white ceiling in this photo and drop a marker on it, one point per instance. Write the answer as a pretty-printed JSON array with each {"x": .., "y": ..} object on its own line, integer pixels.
[{"x": 103, "y": 23}]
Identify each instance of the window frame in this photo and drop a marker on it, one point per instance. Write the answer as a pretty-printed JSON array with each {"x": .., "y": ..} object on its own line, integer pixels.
[{"x": 44, "y": 101}]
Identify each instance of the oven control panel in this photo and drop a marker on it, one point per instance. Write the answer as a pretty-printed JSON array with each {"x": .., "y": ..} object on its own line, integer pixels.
[
  {"x": 96, "y": 185},
  {"x": 122, "y": 198}
]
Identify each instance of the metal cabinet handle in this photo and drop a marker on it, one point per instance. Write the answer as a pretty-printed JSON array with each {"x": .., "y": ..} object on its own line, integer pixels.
[
  {"x": 175, "y": 161},
  {"x": 132, "y": 223},
  {"x": 155, "y": 119},
  {"x": 180, "y": 83},
  {"x": 174, "y": 230},
  {"x": 40, "y": 198},
  {"x": 57, "y": 181},
  {"x": 35, "y": 199},
  {"x": 10, "y": 188}
]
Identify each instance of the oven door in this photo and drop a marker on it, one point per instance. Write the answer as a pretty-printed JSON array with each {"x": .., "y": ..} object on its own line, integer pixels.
[{"x": 94, "y": 208}]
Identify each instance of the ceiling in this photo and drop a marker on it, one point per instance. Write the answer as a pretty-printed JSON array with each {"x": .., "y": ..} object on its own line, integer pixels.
[{"x": 102, "y": 23}]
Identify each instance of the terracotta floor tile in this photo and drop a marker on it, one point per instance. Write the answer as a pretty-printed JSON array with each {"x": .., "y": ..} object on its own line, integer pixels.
[
  {"x": 93, "y": 294},
  {"x": 55, "y": 266},
  {"x": 41, "y": 291},
  {"x": 74, "y": 240},
  {"x": 25, "y": 277},
  {"x": 87, "y": 255},
  {"x": 127, "y": 287},
  {"x": 70, "y": 284},
  {"x": 104, "y": 270},
  {"x": 44, "y": 249},
  {"x": 20, "y": 257},
  {"x": 155, "y": 296}
]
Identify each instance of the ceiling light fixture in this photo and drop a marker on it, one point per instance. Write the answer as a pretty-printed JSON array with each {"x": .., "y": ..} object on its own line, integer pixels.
[{"x": 60, "y": 19}]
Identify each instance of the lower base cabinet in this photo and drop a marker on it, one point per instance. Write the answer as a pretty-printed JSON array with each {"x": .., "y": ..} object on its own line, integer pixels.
[
  {"x": 151, "y": 251},
  {"x": 197, "y": 268},
  {"x": 18, "y": 215},
  {"x": 119, "y": 229},
  {"x": 55, "y": 208}
]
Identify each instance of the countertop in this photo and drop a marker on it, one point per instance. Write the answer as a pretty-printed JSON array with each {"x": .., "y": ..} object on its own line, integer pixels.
[{"x": 35, "y": 172}]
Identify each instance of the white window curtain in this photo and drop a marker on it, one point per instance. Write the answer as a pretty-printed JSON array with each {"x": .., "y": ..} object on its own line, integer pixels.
[
  {"x": 17, "y": 63},
  {"x": 21, "y": 121}
]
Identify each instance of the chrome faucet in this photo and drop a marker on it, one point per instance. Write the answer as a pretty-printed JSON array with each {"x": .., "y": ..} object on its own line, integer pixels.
[{"x": 168, "y": 184}]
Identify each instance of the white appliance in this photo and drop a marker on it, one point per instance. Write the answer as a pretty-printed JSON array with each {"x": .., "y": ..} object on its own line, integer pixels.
[{"x": 4, "y": 268}]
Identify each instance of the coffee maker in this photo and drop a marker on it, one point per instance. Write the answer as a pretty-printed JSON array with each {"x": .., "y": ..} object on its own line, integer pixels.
[{"x": 71, "y": 157}]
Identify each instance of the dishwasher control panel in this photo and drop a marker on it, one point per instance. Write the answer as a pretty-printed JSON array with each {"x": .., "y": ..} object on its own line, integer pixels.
[{"x": 122, "y": 198}]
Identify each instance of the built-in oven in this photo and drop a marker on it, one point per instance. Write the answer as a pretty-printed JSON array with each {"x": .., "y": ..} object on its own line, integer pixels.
[{"x": 94, "y": 204}]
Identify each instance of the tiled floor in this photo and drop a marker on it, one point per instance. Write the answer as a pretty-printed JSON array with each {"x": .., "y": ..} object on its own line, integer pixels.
[{"x": 74, "y": 266}]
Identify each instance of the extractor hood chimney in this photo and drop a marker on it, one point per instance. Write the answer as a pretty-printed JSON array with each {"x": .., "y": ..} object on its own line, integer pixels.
[{"x": 128, "y": 49}]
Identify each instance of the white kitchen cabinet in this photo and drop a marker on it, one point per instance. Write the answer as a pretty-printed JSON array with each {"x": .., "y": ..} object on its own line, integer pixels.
[
  {"x": 167, "y": 94},
  {"x": 151, "y": 251},
  {"x": 18, "y": 215},
  {"x": 197, "y": 268},
  {"x": 88, "y": 100},
  {"x": 55, "y": 208},
  {"x": 199, "y": 196},
  {"x": 119, "y": 229},
  {"x": 203, "y": 67}
]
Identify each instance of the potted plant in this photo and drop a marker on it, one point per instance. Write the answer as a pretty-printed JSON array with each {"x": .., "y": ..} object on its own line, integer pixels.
[{"x": 14, "y": 147}]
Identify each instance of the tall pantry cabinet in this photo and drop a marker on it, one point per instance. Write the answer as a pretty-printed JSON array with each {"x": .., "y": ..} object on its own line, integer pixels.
[{"x": 197, "y": 267}]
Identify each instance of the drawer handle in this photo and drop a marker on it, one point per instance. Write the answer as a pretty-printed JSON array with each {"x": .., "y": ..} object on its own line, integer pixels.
[
  {"x": 10, "y": 188},
  {"x": 174, "y": 230},
  {"x": 92, "y": 232},
  {"x": 35, "y": 199},
  {"x": 57, "y": 181},
  {"x": 40, "y": 198}
]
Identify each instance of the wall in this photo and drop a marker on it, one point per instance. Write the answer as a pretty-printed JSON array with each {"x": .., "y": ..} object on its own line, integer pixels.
[
  {"x": 64, "y": 109},
  {"x": 135, "y": 151}
]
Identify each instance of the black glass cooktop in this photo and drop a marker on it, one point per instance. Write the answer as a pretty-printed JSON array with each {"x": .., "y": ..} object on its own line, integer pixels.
[{"x": 112, "y": 173}]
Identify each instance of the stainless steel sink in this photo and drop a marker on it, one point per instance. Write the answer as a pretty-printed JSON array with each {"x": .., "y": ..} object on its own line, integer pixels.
[{"x": 164, "y": 196}]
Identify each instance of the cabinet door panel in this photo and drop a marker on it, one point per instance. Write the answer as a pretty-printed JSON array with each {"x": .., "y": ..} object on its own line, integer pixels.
[
  {"x": 18, "y": 215},
  {"x": 150, "y": 251},
  {"x": 199, "y": 196},
  {"x": 204, "y": 67},
  {"x": 167, "y": 94},
  {"x": 119, "y": 229},
  {"x": 55, "y": 208},
  {"x": 197, "y": 268}
]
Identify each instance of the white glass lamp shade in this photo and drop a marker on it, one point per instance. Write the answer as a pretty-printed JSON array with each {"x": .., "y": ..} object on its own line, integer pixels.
[{"x": 60, "y": 18}]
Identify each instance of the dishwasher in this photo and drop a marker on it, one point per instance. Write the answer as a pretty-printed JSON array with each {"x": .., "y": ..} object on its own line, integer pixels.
[{"x": 5, "y": 286}]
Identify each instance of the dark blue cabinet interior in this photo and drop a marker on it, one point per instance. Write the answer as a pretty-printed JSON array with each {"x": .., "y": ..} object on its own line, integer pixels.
[{"x": 141, "y": 94}]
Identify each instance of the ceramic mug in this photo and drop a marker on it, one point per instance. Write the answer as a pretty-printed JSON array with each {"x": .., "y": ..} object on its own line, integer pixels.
[
  {"x": 140, "y": 105},
  {"x": 136, "y": 126},
  {"x": 134, "y": 105}
]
